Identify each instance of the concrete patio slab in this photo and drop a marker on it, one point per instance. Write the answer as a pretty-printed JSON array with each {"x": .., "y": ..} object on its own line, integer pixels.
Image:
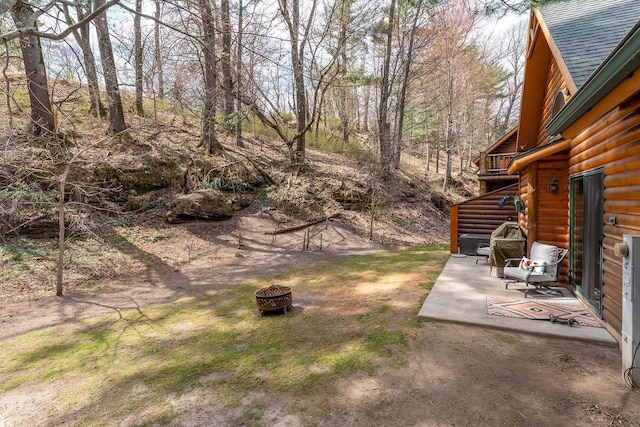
[{"x": 459, "y": 296}]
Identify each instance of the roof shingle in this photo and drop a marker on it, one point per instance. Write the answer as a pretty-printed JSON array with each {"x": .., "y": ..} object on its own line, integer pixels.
[{"x": 586, "y": 31}]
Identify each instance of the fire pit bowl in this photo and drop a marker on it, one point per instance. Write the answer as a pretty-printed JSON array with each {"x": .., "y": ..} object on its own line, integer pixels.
[{"x": 273, "y": 298}]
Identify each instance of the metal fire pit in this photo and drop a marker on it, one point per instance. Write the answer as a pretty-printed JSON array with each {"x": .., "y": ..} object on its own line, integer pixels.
[{"x": 273, "y": 298}]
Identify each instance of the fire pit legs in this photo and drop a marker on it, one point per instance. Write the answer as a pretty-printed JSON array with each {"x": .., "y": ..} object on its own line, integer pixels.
[{"x": 284, "y": 310}]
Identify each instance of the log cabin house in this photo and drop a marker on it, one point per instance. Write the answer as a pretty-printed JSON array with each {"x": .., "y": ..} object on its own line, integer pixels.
[
  {"x": 492, "y": 163},
  {"x": 577, "y": 154},
  {"x": 578, "y": 142},
  {"x": 473, "y": 220}
]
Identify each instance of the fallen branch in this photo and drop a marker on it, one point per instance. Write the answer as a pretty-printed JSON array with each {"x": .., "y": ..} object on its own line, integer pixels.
[
  {"x": 301, "y": 226},
  {"x": 255, "y": 164}
]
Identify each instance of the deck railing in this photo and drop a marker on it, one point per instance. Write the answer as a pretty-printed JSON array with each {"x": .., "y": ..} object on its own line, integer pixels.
[{"x": 495, "y": 163}]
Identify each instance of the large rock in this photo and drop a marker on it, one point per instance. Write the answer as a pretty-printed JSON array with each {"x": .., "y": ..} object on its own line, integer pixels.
[
  {"x": 134, "y": 175},
  {"x": 203, "y": 204}
]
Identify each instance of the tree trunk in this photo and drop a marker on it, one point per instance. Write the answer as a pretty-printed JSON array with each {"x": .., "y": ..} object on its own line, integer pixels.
[
  {"x": 225, "y": 66},
  {"x": 450, "y": 125},
  {"x": 405, "y": 83},
  {"x": 61, "y": 230},
  {"x": 83, "y": 38},
  {"x": 292, "y": 20},
  {"x": 428, "y": 158},
  {"x": 238, "y": 75},
  {"x": 437, "y": 147},
  {"x": 157, "y": 51},
  {"x": 343, "y": 112},
  {"x": 356, "y": 106},
  {"x": 209, "y": 137},
  {"x": 116, "y": 113},
  {"x": 426, "y": 143},
  {"x": 7, "y": 87},
  {"x": 297, "y": 56},
  {"x": 42, "y": 120},
  {"x": 137, "y": 31},
  {"x": 384, "y": 127},
  {"x": 365, "y": 116}
]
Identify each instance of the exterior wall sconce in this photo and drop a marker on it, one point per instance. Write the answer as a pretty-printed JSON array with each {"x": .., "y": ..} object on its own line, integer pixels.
[
  {"x": 504, "y": 201},
  {"x": 519, "y": 204},
  {"x": 553, "y": 186}
]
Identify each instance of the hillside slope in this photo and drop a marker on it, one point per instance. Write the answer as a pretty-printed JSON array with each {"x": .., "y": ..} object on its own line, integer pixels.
[{"x": 157, "y": 185}]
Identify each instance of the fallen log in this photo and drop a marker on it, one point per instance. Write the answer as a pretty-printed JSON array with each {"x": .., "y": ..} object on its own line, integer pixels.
[{"x": 301, "y": 226}]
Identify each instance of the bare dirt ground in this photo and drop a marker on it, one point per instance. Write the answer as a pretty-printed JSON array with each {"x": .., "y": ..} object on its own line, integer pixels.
[
  {"x": 187, "y": 260},
  {"x": 464, "y": 375},
  {"x": 158, "y": 262}
]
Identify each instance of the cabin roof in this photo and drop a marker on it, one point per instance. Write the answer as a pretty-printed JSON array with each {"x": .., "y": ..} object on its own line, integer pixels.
[
  {"x": 586, "y": 31},
  {"x": 612, "y": 82}
]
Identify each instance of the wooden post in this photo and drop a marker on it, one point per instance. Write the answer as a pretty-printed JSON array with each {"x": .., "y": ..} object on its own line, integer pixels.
[
  {"x": 483, "y": 163},
  {"x": 484, "y": 188},
  {"x": 532, "y": 208},
  {"x": 453, "y": 240},
  {"x": 373, "y": 206}
]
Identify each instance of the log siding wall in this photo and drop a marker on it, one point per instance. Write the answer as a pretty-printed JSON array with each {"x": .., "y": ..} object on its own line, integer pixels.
[
  {"x": 481, "y": 215},
  {"x": 613, "y": 143},
  {"x": 555, "y": 82},
  {"x": 546, "y": 215},
  {"x": 507, "y": 147}
]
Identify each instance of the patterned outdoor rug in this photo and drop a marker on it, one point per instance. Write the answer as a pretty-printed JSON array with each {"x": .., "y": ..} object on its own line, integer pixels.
[{"x": 540, "y": 310}]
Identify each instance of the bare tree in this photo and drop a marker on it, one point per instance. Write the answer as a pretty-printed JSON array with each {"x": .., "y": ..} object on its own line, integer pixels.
[
  {"x": 384, "y": 127},
  {"x": 460, "y": 84},
  {"x": 26, "y": 18},
  {"x": 225, "y": 66},
  {"x": 348, "y": 23},
  {"x": 209, "y": 136},
  {"x": 310, "y": 73},
  {"x": 407, "y": 66},
  {"x": 83, "y": 37},
  {"x": 298, "y": 38},
  {"x": 157, "y": 49},
  {"x": 343, "y": 113},
  {"x": 502, "y": 7},
  {"x": 42, "y": 118},
  {"x": 138, "y": 54},
  {"x": 239, "y": 89},
  {"x": 41, "y": 184},
  {"x": 117, "y": 123},
  {"x": 7, "y": 84},
  {"x": 513, "y": 54}
]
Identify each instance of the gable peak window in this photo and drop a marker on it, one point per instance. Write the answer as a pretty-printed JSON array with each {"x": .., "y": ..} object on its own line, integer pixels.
[{"x": 558, "y": 102}]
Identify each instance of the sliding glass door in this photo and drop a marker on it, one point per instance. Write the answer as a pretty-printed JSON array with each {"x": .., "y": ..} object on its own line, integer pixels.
[{"x": 587, "y": 204}]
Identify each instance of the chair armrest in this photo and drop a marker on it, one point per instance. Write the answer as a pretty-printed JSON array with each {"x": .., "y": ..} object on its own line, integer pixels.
[
  {"x": 559, "y": 260},
  {"x": 507, "y": 262}
]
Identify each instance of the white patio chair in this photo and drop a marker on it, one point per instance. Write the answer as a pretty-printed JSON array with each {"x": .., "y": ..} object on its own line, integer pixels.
[{"x": 539, "y": 269}]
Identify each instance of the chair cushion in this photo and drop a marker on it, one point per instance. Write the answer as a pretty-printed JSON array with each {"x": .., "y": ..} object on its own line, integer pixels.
[
  {"x": 483, "y": 251},
  {"x": 538, "y": 266},
  {"x": 542, "y": 252},
  {"x": 521, "y": 275}
]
